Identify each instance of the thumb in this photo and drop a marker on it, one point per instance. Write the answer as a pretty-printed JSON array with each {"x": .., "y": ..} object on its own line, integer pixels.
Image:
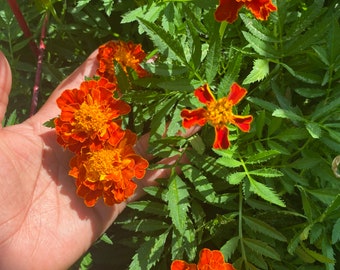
[{"x": 5, "y": 84}]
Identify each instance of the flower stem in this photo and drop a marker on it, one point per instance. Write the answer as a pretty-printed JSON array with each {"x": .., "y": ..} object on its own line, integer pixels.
[{"x": 240, "y": 229}]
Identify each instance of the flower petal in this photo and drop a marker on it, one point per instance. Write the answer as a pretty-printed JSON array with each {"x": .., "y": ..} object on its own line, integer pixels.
[
  {"x": 227, "y": 10},
  {"x": 221, "y": 138},
  {"x": 242, "y": 122},
  {"x": 204, "y": 94},
  {"x": 261, "y": 8},
  {"x": 182, "y": 265},
  {"x": 193, "y": 117},
  {"x": 236, "y": 93}
]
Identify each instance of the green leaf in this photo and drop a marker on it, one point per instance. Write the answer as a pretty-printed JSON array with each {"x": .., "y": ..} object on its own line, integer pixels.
[
  {"x": 105, "y": 238},
  {"x": 178, "y": 203},
  {"x": 266, "y": 172},
  {"x": 336, "y": 232},
  {"x": 150, "y": 207},
  {"x": 262, "y": 48},
  {"x": 213, "y": 58},
  {"x": 49, "y": 123},
  {"x": 86, "y": 262},
  {"x": 258, "y": 29},
  {"x": 164, "y": 40},
  {"x": 259, "y": 72},
  {"x": 149, "y": 253},
  {"x": 262, "y": 227},
  {"x": 145, "y": 225},
  {"x": 288, "y": 114},
  {"x": 236, "y": 178},
  {"x": 310, "y": 92},
  {"x": 262, "y": 248},
  {"x": 317, "y": 256},
  {"x": 265, "y": 192},
  {"x": 262, "y": 156},
  {"x": 263, "y": 103},
  {"x": 229, "y": 247},
  {"x": 314, "y": 130}
]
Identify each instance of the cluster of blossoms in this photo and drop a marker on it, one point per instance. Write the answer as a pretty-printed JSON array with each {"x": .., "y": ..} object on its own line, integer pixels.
[
  {"x": 90, "y": 126},
  {"x": 208, "y": 260}
]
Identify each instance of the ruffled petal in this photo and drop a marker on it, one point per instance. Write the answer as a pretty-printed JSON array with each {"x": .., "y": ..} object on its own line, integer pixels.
[
  {"x": 221, "y": 138},
  {"x": 182, "y": 265},
  {"x": 204, "y": 94},
  {"x": 261, "y": 8},
  {"x": 242, "y": 122},
  {"x": 236, "y": 93},
  {"x": 193, "y": 117},
  {"x": 227, "y": 10}
]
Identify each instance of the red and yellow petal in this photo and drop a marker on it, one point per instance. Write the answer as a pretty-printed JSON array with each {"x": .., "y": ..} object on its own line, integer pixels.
[
  {"x": 242, "y": 122},
  {"x": 227, "y": 10},
  {"x": 204, "y": 94},
  {"x": 261, "y": 8},
  {"x": 236, "y": 94},
  {"x": 221, "y": 138},
  {"x": 193, "y": 117}
]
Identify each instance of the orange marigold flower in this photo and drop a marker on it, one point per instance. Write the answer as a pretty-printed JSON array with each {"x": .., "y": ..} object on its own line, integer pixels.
[
  {"x": 209, "y": 260},
  {"x": 127, "y": 54},
  {"x": 218, "y": 113},
  {"x": 227, "y": 10},
  {"x": 108, "y": 172},
  {"x": 87, "y": 114}
]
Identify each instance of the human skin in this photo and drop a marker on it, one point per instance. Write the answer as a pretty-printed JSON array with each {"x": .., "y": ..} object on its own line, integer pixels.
[{"x": 43, "y": 223}]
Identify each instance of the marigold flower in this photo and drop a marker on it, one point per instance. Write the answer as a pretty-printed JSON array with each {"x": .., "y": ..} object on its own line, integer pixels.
[
  {"x": 127, "y": 54},
  {"x": 209, "y": 260},
  {"x": 227, "y": 10},
  {"x": 87, "y": 115},
  {"x": 108, "y": 172},
  {"x": 218, "y": 113}
]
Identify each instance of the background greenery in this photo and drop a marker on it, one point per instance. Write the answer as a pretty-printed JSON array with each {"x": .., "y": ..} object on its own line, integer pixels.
[{"x": 271, "y": 201}]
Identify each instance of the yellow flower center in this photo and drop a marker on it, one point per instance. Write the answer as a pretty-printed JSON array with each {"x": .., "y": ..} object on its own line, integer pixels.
[
  {"x": 219, "y": 113},
  {"x": 90, "y": 118},
  {"x": 103, "y": 163},
  {"x": 125, "y": 58}
]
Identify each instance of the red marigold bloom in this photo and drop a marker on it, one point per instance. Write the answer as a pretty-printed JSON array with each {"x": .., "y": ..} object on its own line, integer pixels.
[
  {"x": 108, "y": 172},
  {"x": 87, "y": 115},
  {"x": 209, "y": 260},
  {"x": 127, "y": 54},
  {"x": 218, "y": 113},
  {"x": 227, "y": 10}
]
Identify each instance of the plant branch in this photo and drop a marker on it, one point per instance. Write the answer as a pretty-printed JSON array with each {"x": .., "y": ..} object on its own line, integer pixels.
[
  {"x": 35, "y": 94},
  {"x": 23, "y": 25}
]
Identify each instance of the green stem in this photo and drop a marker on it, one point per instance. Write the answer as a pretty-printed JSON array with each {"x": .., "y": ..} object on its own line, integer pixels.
[{"x": 240, "y": 228}]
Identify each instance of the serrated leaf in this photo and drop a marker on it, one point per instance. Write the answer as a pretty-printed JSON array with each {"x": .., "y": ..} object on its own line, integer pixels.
[
  {"x": 151, "y": 207},
  {"x": 229, "y": 247},
  {"x": 336, "y": 232},
  {"x": 164, "y": 40},
  {"x": 314, "y": 130},
  {"x": 266, "y": 172},
  {"x": 310, "y": 92},
  {"x": 149, "y": 253},
  {"x": 197, "y": 144},
  {"x": 105, "y": 238},
  {"x": 262, "y": 227},
  {"x": 258, "y": 29},
  {"x": 262, "y": 48},
  {"x": 229, "y": 162},
  {"x": 265, "y": 192},
  {"x": 236, "y": 178},
  {"x": 263, "y": 103},
  {"x": 204, "y": 187},
  {"x": 259, "y": 71},
  {"x": 262, "y": 248},
  {"x": 50, "y": 123},
  {"x": 287, "y": 114},
  {"x": 317, "y": 256},
  {"x": 178, "y": 203},
  {"x": 213, "y": 58},
  {"x": 145, "y": 225},
  {"x": 262, "y": 156}
]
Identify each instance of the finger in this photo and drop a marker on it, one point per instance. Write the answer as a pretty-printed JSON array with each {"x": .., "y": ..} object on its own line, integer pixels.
[
  {"x": 50, "y": 109},
  {"x": 5, "y": 84}
]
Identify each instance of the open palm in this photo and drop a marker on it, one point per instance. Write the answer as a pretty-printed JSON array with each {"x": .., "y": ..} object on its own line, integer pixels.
[{"x": 43, "y": 223}]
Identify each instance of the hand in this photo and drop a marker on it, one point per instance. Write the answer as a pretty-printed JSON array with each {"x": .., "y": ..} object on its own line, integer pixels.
[{"x": 43, "y": 223}]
